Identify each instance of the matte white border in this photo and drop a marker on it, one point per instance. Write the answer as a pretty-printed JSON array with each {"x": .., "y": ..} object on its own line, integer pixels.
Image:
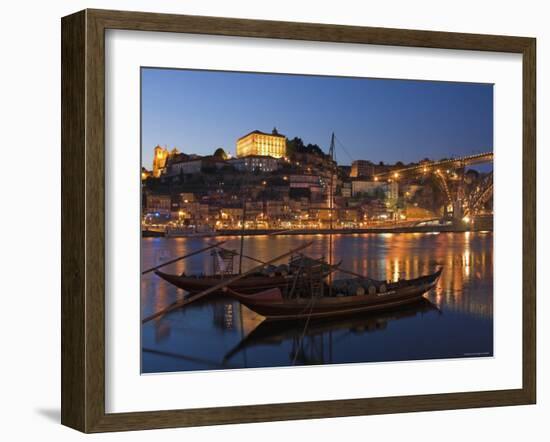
[{"x": 127, "y": 390}]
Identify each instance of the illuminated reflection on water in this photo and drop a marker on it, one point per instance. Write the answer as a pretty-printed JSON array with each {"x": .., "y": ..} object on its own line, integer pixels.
[{"x": 219, "y": 333}]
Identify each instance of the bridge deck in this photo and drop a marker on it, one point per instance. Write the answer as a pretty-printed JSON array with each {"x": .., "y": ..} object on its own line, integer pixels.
[{"x": 451, "y": 163}]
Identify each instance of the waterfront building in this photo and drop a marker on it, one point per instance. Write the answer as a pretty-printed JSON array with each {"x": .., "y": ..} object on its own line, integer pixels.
[
  {"x": 187, "y": 210},
  {"x": 348, "y": 215},
  {"x": 231, "y": 215},
  {"x": 276, "y": 209},
  {"x": 361, "y": 168},
  {"x": 261, "y": 143},
  {"x": 155, "y": 203},
  {"x": 251, "y": 163}
]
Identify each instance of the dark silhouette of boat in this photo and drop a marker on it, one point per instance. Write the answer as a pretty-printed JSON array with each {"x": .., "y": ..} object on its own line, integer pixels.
[{"x": 280, "y": 277}]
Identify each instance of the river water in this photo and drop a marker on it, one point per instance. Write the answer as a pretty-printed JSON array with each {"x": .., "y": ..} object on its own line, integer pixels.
[{"x": 455, "y": 321}]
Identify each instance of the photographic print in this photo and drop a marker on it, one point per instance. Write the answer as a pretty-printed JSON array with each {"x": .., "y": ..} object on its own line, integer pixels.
[{"x": 294, "y": 220}]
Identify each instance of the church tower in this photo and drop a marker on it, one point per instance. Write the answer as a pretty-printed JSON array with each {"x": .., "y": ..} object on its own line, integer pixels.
[{"x": 159, "y": 160}]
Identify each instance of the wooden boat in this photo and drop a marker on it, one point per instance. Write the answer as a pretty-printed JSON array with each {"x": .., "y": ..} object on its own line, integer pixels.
[
  {"x": 247, "y": 285},
  {"x": 274, "y": 307},
  {"x": 280, "y": 277}
]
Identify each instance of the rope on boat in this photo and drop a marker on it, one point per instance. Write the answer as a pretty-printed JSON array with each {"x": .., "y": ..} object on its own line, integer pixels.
[{"x": 211, "y": 246}]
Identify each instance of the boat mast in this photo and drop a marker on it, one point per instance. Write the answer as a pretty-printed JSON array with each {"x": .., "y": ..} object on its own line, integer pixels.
[
  {"x": 331, "y": 195},
  {"x": 331, "y": 206},
  {"x": 242, "y": 229}
]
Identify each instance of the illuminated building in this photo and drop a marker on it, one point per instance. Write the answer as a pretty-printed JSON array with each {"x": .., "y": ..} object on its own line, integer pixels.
[
  {"x": 276, "y": 209},
  {"x": 160, "y": 159},
  {"x": 260, "y": 143}
]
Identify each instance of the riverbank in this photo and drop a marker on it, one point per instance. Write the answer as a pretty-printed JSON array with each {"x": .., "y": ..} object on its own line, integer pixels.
[
  {"x": 348, "y": 231},
  {"x": 411, "y": 229}
]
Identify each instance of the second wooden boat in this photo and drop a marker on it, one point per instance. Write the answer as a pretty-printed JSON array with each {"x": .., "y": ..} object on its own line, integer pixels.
[{"x": 281, "y": 277}]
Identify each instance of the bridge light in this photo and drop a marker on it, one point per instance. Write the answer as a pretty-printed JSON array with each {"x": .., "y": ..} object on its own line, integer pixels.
[
  {"x": 425, "y": 169},
  {"x": 466, "y": 219},
  {"x": 396, "y": 175}
]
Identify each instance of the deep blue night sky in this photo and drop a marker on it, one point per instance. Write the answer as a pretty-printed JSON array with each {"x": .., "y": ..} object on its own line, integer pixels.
[{"x": 378, "y": 120}]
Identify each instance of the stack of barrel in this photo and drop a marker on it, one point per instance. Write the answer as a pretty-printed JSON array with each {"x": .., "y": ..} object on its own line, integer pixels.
[{"x": 358, "y": 287}]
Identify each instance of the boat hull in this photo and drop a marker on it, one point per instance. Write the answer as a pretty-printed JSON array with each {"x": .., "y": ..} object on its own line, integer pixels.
[
  {"x": 328, "y": 307},
  {"x": 247, "y": 285}
]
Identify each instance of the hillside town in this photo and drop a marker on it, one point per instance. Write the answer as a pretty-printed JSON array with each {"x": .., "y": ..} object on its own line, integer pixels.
[{"x": 273, "y": 182}]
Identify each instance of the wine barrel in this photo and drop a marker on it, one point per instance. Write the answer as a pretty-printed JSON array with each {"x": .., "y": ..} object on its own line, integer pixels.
[{"x": 382, "y": 288}]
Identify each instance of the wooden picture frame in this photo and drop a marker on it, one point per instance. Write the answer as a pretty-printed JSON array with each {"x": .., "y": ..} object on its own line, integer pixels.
[{"x": 83, "y": 220}]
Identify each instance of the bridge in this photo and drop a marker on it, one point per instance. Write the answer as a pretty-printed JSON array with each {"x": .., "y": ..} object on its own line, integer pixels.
[
  {"x": 464, "y": 201},
  {"x": 435, "y": 166}
]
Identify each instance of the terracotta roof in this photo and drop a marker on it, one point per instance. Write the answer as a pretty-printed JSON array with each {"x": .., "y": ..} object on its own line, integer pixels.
[{"x": 259, "y": 132}]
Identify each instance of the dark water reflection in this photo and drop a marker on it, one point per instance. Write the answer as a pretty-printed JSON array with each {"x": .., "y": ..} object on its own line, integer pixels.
[{"x": 456, "y": 321}]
